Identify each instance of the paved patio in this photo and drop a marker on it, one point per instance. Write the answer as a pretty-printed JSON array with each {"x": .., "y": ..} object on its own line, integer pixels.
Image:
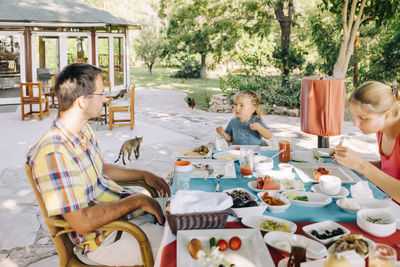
[{"x": 166, "y": 124}]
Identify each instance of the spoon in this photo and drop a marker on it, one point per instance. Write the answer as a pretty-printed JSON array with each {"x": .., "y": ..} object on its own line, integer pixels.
[
  {"x": 219, "y": 176},
  {"x": 279, "y": 152}
]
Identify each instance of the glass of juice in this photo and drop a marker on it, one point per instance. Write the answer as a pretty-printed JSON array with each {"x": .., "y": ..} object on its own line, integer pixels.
[
  {"x": 285, "y": 155},
  {"x": 383, "y": 256},
  {"x": 246, "y": 162}
]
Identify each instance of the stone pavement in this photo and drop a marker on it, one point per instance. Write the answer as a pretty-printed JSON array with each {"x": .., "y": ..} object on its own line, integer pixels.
[{"x": 166, "y": 124}]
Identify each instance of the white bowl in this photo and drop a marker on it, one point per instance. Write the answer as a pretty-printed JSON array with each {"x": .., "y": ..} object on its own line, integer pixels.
[
  {"x": 248, "y": 211},
  {"x": 285, "y": 167},
  {"x": 376, "y": 229},
  {"x": 330, "y": 185},
  {"x": 276, "y": 209},
  {"x": 361, "y": 204},
  {"x": 263, "y": 167},
  {"x": 320, "y": 227}
]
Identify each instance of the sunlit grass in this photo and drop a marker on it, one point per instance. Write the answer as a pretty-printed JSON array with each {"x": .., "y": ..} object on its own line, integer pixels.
[{"x": 200, "y": 89}]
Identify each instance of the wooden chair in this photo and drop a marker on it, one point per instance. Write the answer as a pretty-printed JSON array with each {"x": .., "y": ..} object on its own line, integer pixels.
[
  {"x": 58, "y": 229},
  {"x": 31, "y": 97},
  {"x": 48, "y": 90},
  {"x": 122, "y": 106}
]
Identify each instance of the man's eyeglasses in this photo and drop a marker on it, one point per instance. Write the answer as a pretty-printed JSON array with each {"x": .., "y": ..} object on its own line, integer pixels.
[{"x": 104, "y": 94}]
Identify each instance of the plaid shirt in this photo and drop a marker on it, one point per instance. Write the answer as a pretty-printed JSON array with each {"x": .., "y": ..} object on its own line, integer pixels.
[{"x": 68, "y": 171}]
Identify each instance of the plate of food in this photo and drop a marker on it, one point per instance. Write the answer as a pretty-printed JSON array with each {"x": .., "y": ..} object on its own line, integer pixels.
[
  {"x": 227, "y": 155},
  {"x": 200, "y": 152},
  {"x": 311, "y": 172},
  {"x": 245, "y": 203},
  {"x": 215, "y": 247},
  {"x": 352, "y": 205},
  {"x": 281, "y": 242},
  {"x": 307, "y": 199},
  {"x": 267, "y": 223},
  {"x": 356, "y": 242},
  {"x": 210, "y": 168},
  {"x": 276, "y": 181},
  {"x": 325, "y": 232}
]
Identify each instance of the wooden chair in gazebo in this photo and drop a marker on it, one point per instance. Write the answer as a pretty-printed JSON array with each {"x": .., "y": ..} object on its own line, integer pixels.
[{"x": 31, "y": 94}]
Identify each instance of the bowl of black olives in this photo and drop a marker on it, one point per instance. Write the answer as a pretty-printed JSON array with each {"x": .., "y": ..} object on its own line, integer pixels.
[
  {"x": 245, "y": 203},
  {"x": 326, "y": 231}
]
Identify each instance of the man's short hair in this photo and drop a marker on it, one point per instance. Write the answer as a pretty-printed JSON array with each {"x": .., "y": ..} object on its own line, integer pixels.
[{"x": 75, "y": 80}]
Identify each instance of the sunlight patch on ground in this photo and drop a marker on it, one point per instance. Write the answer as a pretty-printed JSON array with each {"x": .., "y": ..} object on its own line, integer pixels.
[
  {"x": 24, "y": 192},
  {"x": 7, "y": 263}
]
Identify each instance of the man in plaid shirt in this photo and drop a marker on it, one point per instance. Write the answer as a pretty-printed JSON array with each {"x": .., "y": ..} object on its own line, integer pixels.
[{"x": 68, "y": 168}]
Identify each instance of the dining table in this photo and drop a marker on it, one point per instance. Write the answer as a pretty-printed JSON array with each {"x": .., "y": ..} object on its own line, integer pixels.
[{"x": 300, "y": 215}]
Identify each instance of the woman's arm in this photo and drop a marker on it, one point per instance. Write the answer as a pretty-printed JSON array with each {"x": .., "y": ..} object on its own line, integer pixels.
[{"x": 387, "y": 183}]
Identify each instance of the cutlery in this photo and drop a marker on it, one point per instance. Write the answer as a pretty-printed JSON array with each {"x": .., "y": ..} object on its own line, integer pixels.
[
  {"x": 279, "y": 152},
  {"x": 323, "y": 153},
  {"x": 209, "y": 172},
  {"x": 219, "y": 176}
]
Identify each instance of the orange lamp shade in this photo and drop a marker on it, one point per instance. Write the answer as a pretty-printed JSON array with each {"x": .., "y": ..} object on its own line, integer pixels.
[{"x": 322, "y": 105}]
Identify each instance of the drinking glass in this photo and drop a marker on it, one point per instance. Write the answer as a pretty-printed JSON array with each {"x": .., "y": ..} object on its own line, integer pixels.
[
  {"x": 183, "y": 171},
  {"x": 246, "y": 162},
  {"x": 382, "y": 256},
  {"x": 285, "y": 155},
  {"x": 297, "y": 252}
]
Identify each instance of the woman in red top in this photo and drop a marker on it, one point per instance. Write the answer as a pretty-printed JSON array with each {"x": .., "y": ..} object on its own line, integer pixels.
[{"x": 375, "y": 109}]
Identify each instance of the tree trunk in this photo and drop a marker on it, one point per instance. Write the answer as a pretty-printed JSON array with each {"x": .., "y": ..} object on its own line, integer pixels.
[
  {"x": 285, "y": 23},
  {"x": 356, "y": 60},
  {"x": 203, "y": 73},
  {"x": 350, "y": 29},
  {"x": 150, "y": 67}
]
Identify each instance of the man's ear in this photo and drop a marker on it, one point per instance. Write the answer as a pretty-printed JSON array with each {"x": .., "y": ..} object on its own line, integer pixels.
[
  {"x": 388, "y": 115},
  {"x": 81, "y": 102}
]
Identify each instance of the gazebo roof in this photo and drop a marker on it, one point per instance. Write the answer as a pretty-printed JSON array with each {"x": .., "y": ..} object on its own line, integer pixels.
[{"x": 60, "y": 11}]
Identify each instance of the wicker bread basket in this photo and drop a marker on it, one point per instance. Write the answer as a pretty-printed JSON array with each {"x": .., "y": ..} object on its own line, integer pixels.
[{"x": 201, "y": 220}]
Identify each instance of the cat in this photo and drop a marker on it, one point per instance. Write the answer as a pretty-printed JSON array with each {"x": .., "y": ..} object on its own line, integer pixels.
[{"x": 128, "y": 146}]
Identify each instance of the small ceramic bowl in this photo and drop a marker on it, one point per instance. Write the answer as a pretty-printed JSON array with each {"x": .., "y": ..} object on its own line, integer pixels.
[
  {"x": 263, "y": 167},
  {"x": 376, "y": 222},
  {"x": 285, "y": 167},
  {"x": 273, "y": 208}
]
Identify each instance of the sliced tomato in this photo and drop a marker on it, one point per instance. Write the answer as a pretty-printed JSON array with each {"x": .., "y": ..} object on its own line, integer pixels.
[
  {"x": 222, "y": 244},
  {"x": 235, "y": 243}
]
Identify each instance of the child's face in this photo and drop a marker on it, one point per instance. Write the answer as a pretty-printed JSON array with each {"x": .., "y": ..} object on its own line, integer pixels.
[
  {"x": 367, "y": 122},
  {"x": 244, "y": 109}
]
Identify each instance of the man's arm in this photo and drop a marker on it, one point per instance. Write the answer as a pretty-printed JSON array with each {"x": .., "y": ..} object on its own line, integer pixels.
[
  {"x": 120, "y": 174},
  {"x": 89, "y": 219}
]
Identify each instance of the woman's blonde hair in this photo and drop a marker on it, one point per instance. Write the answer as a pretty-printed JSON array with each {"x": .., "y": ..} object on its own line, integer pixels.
[
  {"x": 255, "y": 100},
  {"x": 377, "y": 97}
]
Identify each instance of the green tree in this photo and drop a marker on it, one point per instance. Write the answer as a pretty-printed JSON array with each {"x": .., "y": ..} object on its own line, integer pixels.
[{"x": 200, "y": 27}]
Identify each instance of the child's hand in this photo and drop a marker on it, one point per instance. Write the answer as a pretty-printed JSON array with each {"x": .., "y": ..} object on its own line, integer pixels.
[
  {"x": 220, "y": 130},
  {"x": 255, "y": 126}
]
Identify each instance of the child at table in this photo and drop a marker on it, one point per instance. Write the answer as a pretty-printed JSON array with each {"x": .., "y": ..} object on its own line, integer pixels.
[
  {"x": 247, "y": 127},
  {"x": 375, "y": 109}
]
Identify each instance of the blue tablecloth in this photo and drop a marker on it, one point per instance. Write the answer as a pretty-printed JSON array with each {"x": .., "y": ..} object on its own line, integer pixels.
[{"x": 294, "y": 212}]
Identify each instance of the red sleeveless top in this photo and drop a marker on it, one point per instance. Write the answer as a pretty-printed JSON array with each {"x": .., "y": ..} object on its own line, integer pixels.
[{"x": 390, "y": 164}]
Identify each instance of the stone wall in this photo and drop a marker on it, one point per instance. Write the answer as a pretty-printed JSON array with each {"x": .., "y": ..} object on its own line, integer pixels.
[
  {"x": 220, "y": 103},
  {"x": 9, "y": 81}
]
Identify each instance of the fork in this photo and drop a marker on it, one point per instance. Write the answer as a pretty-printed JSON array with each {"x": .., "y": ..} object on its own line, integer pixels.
[{"x": 219, "y": 176}]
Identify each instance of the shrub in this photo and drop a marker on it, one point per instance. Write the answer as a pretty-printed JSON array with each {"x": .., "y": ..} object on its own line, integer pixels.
[
  {"x": 191, "y": 69},
  {"x": 269, "y": 89}
]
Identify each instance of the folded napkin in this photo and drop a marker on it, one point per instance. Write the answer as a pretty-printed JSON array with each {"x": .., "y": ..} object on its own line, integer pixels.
[
  {"x": 193, "y": 201},
  {"x": 361, "y": 190}
]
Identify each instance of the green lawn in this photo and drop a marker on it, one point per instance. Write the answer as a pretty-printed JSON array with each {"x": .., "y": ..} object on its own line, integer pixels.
[{"x": 200, "y": 89}]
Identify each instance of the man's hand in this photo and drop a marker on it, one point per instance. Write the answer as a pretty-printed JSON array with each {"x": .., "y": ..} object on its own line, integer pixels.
[
  {"x": 348, "y": 158},
  {"x": 158, "y": 183},
  {"x": 152, "y": 206}
]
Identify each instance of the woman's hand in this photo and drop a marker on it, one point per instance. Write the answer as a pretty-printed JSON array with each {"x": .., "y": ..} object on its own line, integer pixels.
[
  {"x": 348, "y": 158},
  {"x": 158, "y": 183}
]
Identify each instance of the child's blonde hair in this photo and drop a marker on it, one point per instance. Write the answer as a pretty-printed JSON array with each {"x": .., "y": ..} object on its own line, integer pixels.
[
  {"x": 377, "y": 97},
  {"x": 255, "y": 100}
]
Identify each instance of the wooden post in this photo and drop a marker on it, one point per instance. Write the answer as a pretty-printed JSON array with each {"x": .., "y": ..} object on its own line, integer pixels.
[
  {"x": 93, "y": 34},
  {"x": 28, "y": 53},
  {"x": 42, "y": 52}
]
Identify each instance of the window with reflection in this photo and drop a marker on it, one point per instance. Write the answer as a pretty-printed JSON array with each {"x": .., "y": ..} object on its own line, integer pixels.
[
  {"x": 118, "y": 43},
  {"x": 47, "y": 53},
  {"x": 10, "y": 58},
  {"x": 77, "y": 49},
  {"x": 103, "y": 57}
]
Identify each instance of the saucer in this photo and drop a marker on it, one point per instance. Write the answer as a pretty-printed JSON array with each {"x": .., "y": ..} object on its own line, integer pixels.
[{"x": 344, "y": 192}]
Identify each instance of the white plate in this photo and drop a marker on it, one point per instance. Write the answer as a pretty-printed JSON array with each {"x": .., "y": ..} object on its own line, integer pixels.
[
  {"x": 302, "y": 156},
  {"x": 227, "y": 155},
  {"x": 284, "y": 179},
  {"x": 224, "y": 167},
  {"x": 280, "y": 241},
  {"x": 370, "y": 244},
  {"x": 323, "y": 152},
  {"x": 255, "y": 221},
  {"x": 237, "y": 147},
  {"x": 315, "y": 200},
  {"x": 180, "y": 154},
  {"x": 344, "y": 192},
  {"x": 320, "y": 227},
  {"x": 253, "y": 247},
  {"x": 306, "y": 174},
  {"x": 364, "y": 204}
]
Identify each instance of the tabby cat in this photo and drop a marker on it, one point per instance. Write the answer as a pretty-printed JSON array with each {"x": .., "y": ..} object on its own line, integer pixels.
[{"x": 128, "y": 146}]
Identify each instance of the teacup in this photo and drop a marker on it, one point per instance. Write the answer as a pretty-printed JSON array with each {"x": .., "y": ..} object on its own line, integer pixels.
[
  {"x": 330, "y": 185},
  {"x": 285, "y": 167}
]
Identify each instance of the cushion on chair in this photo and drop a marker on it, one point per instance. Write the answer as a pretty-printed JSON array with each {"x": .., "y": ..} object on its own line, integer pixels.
[{"x": 119, "y": 103}]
